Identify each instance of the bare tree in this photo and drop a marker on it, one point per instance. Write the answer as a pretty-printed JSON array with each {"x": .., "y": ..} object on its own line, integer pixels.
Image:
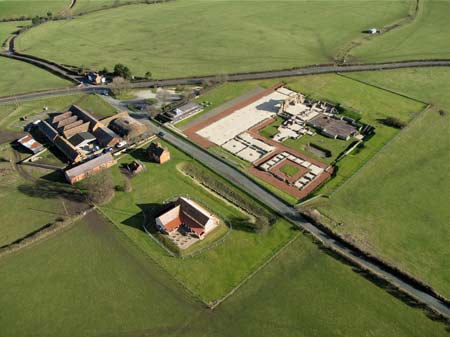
[
  {"x": 100, "y": 187},
  {"x": 120, "y": 86}
]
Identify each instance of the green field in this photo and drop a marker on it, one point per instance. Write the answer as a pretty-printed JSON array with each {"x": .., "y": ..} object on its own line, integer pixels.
[
  {"x": 21, "y": 8},
  {"x": 22, "y": 212},
  {"x": 397, "y": 206},
  {"x": 92, "y": 282},
  {"x": 193, "y": 37},
  {"x": 290, "y": 170},
  {"x": 424, "y": 38},
  {"x": 11, "y": 113},
  {"x": 215, "y": 272}
]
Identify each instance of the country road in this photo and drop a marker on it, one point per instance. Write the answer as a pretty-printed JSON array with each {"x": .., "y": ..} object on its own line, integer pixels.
[
  {"x": 288, "y": 212},
  {"x": 313, "y": 70}
]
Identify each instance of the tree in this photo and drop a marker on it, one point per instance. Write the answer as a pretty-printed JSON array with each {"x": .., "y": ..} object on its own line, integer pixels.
[
  {"x": 100, "y": 187},
  {"x": 120, "y": 86},
  {"x": 122, "y": 71},
  {"x": 49, "y": 14},
  {"x": 394, "y": 122},
  {"x": 148, "y": 75}
]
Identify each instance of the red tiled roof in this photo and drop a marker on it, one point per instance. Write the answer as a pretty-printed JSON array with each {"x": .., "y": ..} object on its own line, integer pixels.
[{"x": 173, "y": 225}]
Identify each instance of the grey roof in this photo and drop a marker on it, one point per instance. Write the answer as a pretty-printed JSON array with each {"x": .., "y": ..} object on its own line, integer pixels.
[
  {"x": 89, "y": 165},
  {"x": 187, "y": 108},
  {"x": 48, "y": 131},
  {"x": 104, "y": 135},
  {"x": 81, "y": 137}
]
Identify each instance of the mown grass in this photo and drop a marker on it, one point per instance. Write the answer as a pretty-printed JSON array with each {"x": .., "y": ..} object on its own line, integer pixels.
[
  {"x": 424, "y": 38},
  {"x": 215, "y": 272},
  {"x": 397, "y": 206},
  {"x": 192, "y": 37}
]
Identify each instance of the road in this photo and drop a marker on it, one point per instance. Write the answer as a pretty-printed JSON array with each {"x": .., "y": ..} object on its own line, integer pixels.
[
  {"x": 291, "y": 214},
  {"x": 313, "y": 70}
]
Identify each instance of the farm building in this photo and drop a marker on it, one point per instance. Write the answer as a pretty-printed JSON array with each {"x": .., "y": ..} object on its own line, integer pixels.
[
  {"x": 157, "y": 153},
  {"x": 334, "y": 127},
  {"x": 184, "y": 111},
  {"x": 30, "y": 143},
  {"x": 89, "y": 168},
  {"x": 188, "y": 216},
  {"x": 127, "y": 127},
  {"x": 82, "y": 139}
]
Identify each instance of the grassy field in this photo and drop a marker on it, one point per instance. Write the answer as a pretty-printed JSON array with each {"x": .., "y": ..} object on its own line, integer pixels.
[
  {"x": 397, "y": 206},
  {"x": 21, "y": 212},
  {"x": 93, "y": 282},
  {"x": 11, "y": 113},
  {"x": 19, "y": 77},
  {"x": 215, "y": 272},
  {"x": 18, "y": 8},
  {"x": 424, "y": 38},
  {"x": 201, "y": 37}
]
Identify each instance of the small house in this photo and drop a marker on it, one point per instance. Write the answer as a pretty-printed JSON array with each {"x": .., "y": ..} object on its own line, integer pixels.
[
  {"x": 31, "y": 144},
  {"x": 157, "y": 153}
]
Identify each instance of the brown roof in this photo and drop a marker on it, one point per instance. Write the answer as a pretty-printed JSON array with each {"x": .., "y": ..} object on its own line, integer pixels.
[
  {"x": 83, "y": 114},
  {"x": 29, "y": 142},
  {"x": 191, "y": 215}
]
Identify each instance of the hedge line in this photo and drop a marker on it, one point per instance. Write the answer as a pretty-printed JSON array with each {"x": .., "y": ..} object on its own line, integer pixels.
[{"x": 264, "y": 218}]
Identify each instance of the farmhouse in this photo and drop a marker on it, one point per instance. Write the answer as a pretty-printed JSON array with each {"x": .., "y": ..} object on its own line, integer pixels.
[
  {"x": 30, "y": 143},
  {"x": 157, "y": 153},
  {"x": 188, "y": 216},
  {"x": 89, "y": 168}
]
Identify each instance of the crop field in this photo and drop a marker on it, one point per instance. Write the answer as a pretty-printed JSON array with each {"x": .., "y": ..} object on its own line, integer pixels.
[
  {"x": 201, "y": 37},
  {"x": 214, "y": 272},
  {"x": 61, "y": 277},
  {"x": 424, "y": 38},
  {"x": 397, "y": 206}
]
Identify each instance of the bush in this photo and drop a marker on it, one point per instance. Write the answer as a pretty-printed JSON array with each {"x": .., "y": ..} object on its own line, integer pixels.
[
  {"x": 100, "y": 187},
  {"x": 263, "y": 217},
  {"x": 393, "y": 122},
  {"x": 122, "y": 71}
]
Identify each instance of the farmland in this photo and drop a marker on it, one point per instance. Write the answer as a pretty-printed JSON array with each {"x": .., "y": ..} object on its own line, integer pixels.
[
  {"x": 399, "y": 201},
  {"x": 210, "y": 37},
  {"x": 424, "y": 38},
  {"x": 214, "y": 272},
  {"x": 133, "y": 295}
]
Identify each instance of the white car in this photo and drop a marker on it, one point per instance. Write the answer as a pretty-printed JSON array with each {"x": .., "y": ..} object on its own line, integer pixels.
[{"x": 121, "y": 144}]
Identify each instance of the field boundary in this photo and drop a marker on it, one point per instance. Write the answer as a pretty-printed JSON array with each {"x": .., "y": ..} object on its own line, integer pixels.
[{"x": 380, "y": 151}]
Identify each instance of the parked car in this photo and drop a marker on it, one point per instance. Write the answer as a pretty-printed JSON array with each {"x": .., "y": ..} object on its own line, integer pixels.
[
  {"x": 107, "y": 149},
  {"x": 161, "y": 134},
  {"x": 121, "y": 144}
]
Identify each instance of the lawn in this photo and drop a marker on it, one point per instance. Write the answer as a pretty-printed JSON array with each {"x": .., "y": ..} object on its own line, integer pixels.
[
  {"x": 426, "y": 37},
  {"x": 8, "y": 28},
  {"x": 399, "y": 201},
  {"x": 215, "y": 272},
  {"x": 92, "y": 281},
  {"x": 290, "y": 170},
  {"x": 202, "y": 37}
]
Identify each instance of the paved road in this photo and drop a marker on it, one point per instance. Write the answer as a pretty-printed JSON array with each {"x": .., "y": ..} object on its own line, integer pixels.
[
  {"x": 319, "y": 69},
  {"x": 292, "y": 215}
]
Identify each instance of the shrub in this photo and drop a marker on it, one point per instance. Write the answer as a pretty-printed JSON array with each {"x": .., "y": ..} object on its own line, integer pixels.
[{"x": 393, "y": 122}]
